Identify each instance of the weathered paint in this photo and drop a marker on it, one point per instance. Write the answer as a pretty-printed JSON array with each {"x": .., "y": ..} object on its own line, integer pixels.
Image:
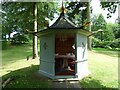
[{"x": 47, "y": 55}]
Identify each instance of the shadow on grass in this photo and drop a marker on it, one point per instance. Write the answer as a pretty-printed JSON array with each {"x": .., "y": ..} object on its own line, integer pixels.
[
  {"x": 90, "y": 83},
  {"x": 27, "y": 78}
]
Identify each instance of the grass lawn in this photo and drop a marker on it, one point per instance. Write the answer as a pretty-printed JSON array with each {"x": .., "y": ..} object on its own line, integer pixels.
[
  {"x": 109, "y": 52},
  {"x": 104, "y": 69},
  {"x": 23, "y": 72}
]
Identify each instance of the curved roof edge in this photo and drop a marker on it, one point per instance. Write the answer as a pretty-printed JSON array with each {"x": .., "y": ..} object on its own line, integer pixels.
[{"x": 62, "y": 22}]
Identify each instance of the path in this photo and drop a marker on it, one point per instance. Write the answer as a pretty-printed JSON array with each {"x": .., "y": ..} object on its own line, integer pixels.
[{"x": 66, "y": 84}]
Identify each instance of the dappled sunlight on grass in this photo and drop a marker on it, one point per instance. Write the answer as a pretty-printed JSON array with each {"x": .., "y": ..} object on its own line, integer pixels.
[
  {"x": 103, "y": 67},
  {"x": 18, "y": 65},
  {"x": 27, "y": 78},
  {"x": 15, "y": 58}
]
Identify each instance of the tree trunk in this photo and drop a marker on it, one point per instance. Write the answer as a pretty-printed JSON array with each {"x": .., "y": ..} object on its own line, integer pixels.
[
  {"x": 35, "y": 38},
  {"x": 89, "y": 27},
  {"x": 9, "y": 37}
]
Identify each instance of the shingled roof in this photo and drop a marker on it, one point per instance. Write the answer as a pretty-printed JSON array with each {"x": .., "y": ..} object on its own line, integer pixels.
[{"x": 63, "y": 23}]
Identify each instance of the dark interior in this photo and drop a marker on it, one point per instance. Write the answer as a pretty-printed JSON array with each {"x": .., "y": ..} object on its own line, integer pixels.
[{"x": 64, "y": 55}]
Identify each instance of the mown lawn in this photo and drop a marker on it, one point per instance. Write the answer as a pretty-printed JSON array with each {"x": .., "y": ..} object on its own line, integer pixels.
[
  {"x": 113, "y": 53},
  {"x": 103, "y": 67},
  {"x": 24, "y": 73},
  {"x": 104, "y": 70}
]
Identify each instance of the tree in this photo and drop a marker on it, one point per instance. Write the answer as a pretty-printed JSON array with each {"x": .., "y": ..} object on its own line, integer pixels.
[
  {"x": 22, "y": 16},
  {"x": 35, "y": 38},
  {"x": 108, "y": 34},
  {"x": 110, "y": 6},
  {"x": 98, "y": 22},
  {"x": 116, "y": 30},
  {"x": 74, "y": 8}
]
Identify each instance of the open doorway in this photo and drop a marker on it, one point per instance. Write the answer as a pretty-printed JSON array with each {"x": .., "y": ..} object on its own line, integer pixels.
[{"x": 64, "y": 54}]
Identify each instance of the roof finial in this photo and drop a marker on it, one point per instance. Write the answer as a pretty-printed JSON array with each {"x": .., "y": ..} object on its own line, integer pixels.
[{"x": 63, "y": 9}]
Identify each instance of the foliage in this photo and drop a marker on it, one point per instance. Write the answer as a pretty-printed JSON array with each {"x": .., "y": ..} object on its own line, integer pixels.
[
  {"x": 110, "y": 6},
  {"x": 19, "y": 16},
  {"x": 98, "y": 43},
  {"x": 19, "y": 39},
  {"x": 76, "y": 13},
  {"x": 116, "y": 30},
  {"x": 115, "y": 44},
  {"x": 108, "y": 34},
  {"x": 98, "y": 22},
  {"x": 5, "y": 44}
]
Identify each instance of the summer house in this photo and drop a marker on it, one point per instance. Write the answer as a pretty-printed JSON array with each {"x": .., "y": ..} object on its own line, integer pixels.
[{"x": 63, "y": 50}]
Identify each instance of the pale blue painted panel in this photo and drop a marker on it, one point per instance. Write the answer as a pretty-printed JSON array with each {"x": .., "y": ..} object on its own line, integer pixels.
[
  {"x": 81, "y": 47},
  {"x": 82, "y": 58},
  {"x": 47, "y": 54}
]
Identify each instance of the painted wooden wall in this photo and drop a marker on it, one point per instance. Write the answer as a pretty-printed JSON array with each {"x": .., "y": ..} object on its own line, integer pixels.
[
  {"x": 47, "y": 55},
  {"x": 82, "y": 57}
]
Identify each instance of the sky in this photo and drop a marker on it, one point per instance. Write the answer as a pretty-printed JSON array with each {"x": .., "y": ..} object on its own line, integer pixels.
[{"x": 96, "y": 10}]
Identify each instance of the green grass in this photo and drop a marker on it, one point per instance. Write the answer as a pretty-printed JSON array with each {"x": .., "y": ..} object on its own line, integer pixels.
[
  {"x": 104, "y": 71},
  {"x": 24, "y": 73},
  {"x": 109, "y": 52},
  {"x": 103, "y": 67},
  {"x": 15, "y": 53},
  {"x": 27, "y": 78}
]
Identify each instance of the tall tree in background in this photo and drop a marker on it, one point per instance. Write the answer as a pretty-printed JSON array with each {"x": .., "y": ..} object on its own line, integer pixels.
[
  {"x": 35, "y": 38},
  {"x": 89, "y": 26},
  {"x": 98, "y": 22},
  {"x": 83, "y": 14},
  {"x": 22, "y": 16}
]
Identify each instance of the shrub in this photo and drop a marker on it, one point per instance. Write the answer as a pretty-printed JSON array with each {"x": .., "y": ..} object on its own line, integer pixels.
[
  {"x": 98, "y": 43},
  {"x": 5, "y": 44},
  {"x": 19, "y": 39},
  {"x": 106, "y": 44}
]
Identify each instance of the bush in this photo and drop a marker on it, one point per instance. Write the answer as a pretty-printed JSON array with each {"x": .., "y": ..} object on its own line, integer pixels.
[
  {"x": 106, "y": 44},
  {"x": 98, "y": 43},
  {"x": 115, "y": 43},
  {"x": 19, "y": 39},
  {"x": 5, "y": 44}
]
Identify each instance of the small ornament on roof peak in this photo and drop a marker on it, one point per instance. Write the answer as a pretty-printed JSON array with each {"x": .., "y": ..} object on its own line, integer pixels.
[{"x": 63, "y": 9}]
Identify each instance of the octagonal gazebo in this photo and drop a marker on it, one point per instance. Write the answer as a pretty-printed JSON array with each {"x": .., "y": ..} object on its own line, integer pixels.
[{"x": 63, "y": 50}]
